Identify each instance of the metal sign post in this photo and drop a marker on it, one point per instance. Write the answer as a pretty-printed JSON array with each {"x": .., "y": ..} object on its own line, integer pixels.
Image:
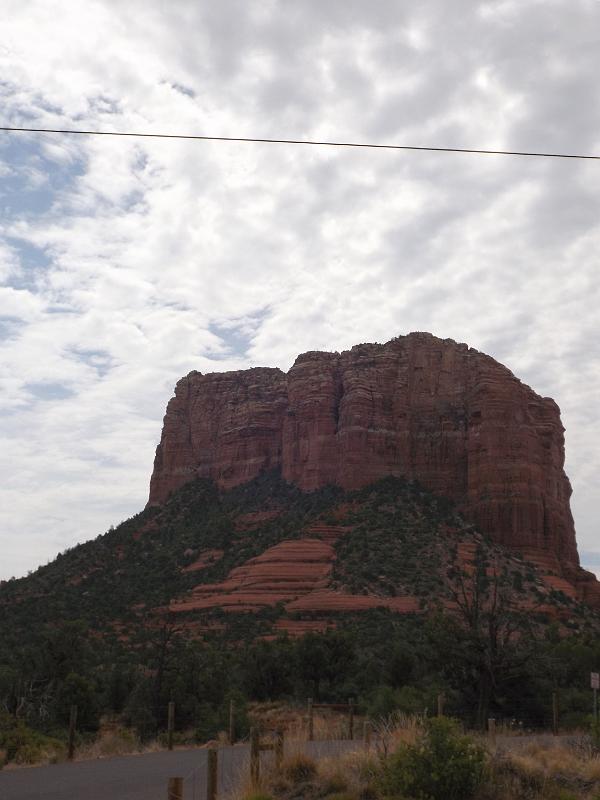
[{"x": 595, "y": 684}]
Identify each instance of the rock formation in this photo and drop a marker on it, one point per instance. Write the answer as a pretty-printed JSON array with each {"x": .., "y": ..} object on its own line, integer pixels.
[
  {"x": 418, "y": 407},
  {"x": 295, "y": 573}
]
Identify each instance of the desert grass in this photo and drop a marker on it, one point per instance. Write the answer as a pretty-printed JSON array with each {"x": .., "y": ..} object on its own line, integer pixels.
[
  {"x": 540, "y": 770},
  {"x": 115, "y": 741},
  {"x": 344, "y": 777},
  {"x": 543, "y": 771},
  {"x": 327, "y": 725},
  {"x": 310, "y": 772},
  {"x": 557, "y": 762}
]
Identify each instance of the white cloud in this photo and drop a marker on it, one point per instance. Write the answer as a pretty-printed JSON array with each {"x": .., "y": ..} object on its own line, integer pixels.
[{"x": 129, "y": 262}]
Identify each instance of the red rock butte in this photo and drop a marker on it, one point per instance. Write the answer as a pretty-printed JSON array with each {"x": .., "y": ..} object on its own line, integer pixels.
[{"x": 418, "y": 407}]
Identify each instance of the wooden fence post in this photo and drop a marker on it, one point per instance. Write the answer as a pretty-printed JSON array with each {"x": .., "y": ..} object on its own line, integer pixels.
[
  {"x": 231, "y": 722},
  {"x": 310, "y": 720},
  {"x": 72, "y": 725},
  {"x": 254, "y": 756},
  {"x": 351, "y": 719},
  {"x": 555, "y": 713},
  {"x": 367, "y": 733},
  {"x": 278, "y": 748},
  {"x": 211, "y": 773},
  {"x": 170, "y": 725},
  {"x": 441, "y": 699},
  {"x": 175, "y": 789}
]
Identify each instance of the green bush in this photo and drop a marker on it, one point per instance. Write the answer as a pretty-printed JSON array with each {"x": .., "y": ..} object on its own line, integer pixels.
[
  {"x": 22, "y": 745},
  {"x": 442, "y": 765},
  {"x": 215, "y": 719},
  {"x": 384, "y": 701}
]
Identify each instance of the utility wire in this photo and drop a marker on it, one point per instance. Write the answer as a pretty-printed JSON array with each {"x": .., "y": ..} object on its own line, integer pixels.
[{"x": 301, "y": 141}]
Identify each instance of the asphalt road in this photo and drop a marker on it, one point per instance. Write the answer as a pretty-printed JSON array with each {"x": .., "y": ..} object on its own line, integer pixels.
[{"x": 139, "y": 777}]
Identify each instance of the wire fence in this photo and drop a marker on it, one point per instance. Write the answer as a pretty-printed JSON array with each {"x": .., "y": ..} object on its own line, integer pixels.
[
  {"x": 169, "y": 726},
  {"x": 219, "y": 768}
]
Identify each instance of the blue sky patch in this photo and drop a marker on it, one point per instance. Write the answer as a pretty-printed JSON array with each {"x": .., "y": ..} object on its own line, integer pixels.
[
  {"x": 237, "y": 335},
  {"x": 33, "y": 264},
  {"x": 100, "y": 360},
  {"x": 31, "y": 180},
  {"x": 590, "y": 558},
  {"x": 49, "y": 391}
]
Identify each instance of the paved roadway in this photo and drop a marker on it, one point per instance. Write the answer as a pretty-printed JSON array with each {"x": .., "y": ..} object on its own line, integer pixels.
[{"x": 138, "y": 777}]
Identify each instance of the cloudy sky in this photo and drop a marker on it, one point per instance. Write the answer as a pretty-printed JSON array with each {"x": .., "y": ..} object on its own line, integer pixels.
[{"x": 125, "y": 263}]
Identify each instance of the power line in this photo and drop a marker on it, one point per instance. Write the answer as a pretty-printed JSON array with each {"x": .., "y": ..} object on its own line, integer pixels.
[{"x": 302, "y": 142}]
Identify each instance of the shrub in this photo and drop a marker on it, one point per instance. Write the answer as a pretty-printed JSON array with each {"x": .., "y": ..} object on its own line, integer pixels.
[
  {"x": 22, "y": 745},
  {"x": 442, "y": 765},
  {"x": 408, "y": 699}
]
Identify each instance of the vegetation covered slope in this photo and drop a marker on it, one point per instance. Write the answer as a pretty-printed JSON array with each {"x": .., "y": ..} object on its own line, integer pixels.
[{"x": 95, "y": 627}]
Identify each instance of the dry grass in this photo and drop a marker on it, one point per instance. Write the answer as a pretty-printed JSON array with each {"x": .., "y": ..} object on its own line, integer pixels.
[
  {"x": 298, "y": 768},
  {"x": 538, "y": 771},
  {"x": 553, "y": 762},
  {"x": 350, "y": 773},
  {"x": 246, "y": 789},
  {"x": 544, "y": 772},
  {"x": 394, "y": 731},
  {"x": 327, "y": 724},
  {"x": 115, "y": 741},
  {"x": 348, "y": 776}
]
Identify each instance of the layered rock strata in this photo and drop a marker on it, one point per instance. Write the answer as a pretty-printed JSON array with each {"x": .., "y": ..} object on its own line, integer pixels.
[
  {"x": 295, "y": 573},
  {"x": 418, "y": 407}
]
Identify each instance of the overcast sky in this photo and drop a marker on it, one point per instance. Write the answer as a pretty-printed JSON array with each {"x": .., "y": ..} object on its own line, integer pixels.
[{"x": 125, "y": 263}]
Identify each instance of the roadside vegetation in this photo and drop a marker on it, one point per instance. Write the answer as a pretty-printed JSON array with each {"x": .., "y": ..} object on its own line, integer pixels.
[{"x": 435, "y": 760}]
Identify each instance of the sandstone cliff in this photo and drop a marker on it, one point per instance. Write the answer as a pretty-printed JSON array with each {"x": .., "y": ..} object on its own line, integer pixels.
[{"x": 418, "y": 407}]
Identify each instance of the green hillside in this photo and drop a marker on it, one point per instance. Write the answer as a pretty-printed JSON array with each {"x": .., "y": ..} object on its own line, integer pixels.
[{"x": 93, "y": 627}]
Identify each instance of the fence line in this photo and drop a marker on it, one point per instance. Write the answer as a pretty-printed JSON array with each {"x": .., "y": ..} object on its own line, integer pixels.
[{"x": 162, "y": 722}]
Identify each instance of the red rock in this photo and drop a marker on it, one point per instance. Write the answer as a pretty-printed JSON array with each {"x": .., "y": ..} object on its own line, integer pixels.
[
  {"x": 328, "y": 600},
  {"x": 225, "y": 426},
  {"x": 298, "y": 627},
  {"x": 327, "y": 533},
  {"x": 253, "y": 519},
  {"x": 588, "y": 587},
  {"x": 205, "y": 559},
  {"x": 295, "y": 572},
  {"x": 418, "y": 407},
  {"x": 282, "y": 573}
]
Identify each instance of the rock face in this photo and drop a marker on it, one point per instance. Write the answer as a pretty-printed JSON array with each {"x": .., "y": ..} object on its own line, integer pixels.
[
  {"x": 417, "y": 407},
  {"x": 296, "y": 573}
]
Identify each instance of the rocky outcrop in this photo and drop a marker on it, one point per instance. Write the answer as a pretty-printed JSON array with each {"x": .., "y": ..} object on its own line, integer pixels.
[
  {"x": 295, "y": 573},
  {"x": 418, "y": 407},
  {"x": 281, "y": 574}
]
